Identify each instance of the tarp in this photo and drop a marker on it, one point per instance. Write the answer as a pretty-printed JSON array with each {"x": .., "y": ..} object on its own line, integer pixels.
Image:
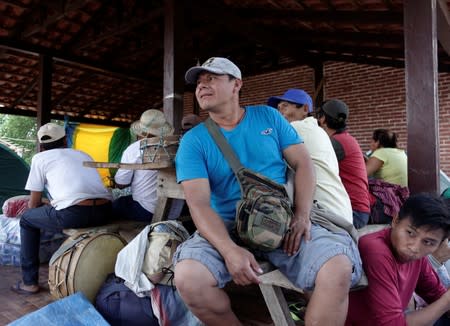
[{"x": 13, "y": 174}]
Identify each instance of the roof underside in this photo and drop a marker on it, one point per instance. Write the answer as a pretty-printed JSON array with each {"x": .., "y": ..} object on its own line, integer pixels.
[{"x": 108, "y": 55}]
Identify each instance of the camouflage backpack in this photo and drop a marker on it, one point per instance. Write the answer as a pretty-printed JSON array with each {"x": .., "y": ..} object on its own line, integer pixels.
[{"x": 263, "y": 215}]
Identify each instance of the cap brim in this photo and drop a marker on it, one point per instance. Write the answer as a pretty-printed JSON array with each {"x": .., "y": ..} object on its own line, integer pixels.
[
  {"x": 274, "y": 100},
  {"x": 191, "y": 75}
]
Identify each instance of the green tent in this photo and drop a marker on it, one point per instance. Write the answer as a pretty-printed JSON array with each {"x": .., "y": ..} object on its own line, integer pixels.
[{"x": 13, "y": 174}]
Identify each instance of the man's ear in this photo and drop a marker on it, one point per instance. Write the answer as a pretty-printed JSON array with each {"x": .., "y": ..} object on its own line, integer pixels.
[
  {"x": 395, "y": 220},
  {"x": 237, "y": 85},
  {"x": 305, "y": 109}
]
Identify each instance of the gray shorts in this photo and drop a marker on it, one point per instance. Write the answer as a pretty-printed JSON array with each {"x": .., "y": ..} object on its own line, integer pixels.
[{"x": 301, "y": 269}]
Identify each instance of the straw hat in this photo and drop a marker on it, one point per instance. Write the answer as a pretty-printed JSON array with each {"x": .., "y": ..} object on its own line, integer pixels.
[{"x": 152, "y": 122}]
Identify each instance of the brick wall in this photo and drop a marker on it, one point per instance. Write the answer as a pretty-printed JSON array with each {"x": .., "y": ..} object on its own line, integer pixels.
[{"x": 375, "y": 96}]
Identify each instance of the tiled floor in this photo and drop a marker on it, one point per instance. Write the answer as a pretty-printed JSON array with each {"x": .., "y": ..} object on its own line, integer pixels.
[{"x": 12, "y": 305}]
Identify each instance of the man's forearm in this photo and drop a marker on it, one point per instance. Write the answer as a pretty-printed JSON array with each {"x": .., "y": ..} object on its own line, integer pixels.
[
  {"x": 212, "y": 228},
  {"x": 305, "y": 185},
  {"x": 429, "y": 314}
]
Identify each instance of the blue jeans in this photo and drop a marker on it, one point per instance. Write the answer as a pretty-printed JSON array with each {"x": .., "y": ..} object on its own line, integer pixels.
[
  {"x": 360, "y": 219},
  {"x": 127, "y": 208},
  {"x": 48, "y": 218}
]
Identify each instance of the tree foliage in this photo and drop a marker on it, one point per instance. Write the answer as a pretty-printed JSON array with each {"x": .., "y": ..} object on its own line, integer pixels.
[{"x": 21, "y": 132}]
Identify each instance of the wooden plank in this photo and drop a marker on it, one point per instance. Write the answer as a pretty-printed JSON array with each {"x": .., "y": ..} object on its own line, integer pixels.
[
  {"x": 422, "y": 95},
  {"x": 129, "y": 166},
  {"x": 277, "y": 305},
  {"x": 277, "y": 278},
  {"x": 161, "y": 209},
  {"x": 168, "y": 186}
]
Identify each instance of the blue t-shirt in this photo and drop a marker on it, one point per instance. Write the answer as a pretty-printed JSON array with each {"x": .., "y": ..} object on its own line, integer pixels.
[{"x": 258, "y": 141}]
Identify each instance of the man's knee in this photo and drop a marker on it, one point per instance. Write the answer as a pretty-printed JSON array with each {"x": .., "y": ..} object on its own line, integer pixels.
[
  {"x": 191, "y": 277},
  {"x": 336, "y": 273}
]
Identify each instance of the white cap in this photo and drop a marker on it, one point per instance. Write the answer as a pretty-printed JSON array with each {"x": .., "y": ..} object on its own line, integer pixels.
[
  {"x": 216, "y": 65},
  {"x": 50, "y": 132}
]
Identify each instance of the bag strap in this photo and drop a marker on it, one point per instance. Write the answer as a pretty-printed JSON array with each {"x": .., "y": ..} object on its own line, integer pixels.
[
  {"x": 225, "y": 148},
  {"x": 67, "y": 246}
]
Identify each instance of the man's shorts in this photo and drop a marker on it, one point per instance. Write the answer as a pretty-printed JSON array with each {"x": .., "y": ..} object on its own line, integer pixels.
[{"x": 301, "y": 268}]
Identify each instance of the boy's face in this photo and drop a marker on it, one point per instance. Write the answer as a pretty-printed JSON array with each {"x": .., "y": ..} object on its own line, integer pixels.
[{"x": 410, "y": 243}]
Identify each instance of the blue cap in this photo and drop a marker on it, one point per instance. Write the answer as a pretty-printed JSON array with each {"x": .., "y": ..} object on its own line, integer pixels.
[{"x": 297, "y": 96}]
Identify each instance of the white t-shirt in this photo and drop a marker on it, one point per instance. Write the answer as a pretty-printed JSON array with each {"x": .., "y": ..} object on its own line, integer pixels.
[
  {"x": 68, "y": 182},
  {"x": 330, "y": 192},
  {"x": 143, "y": 182}
]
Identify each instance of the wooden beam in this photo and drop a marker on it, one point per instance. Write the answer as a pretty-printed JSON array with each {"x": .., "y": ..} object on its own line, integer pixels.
[
  {"x": 443, "y": 25},
  {"x": 309, "y": 16},
  {"x": 173, "y": 59},
  {"x": 58, "y": 14},
  {"x": 61, "y": 56},
  {"x": 319, "y": 80},
  {"x": 45, "y": 90},
  {"x": 25, "y": 93},
  {"x": 29, "y": 113},
  {"x": 422, "y": 106}
]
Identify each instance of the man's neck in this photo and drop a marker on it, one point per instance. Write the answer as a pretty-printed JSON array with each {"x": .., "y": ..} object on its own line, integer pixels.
[{"x": 228, "y": 120}]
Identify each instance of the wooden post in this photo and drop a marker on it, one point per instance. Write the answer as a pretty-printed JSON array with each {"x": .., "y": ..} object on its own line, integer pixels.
[
  {"x": 318, "y": 84},
  {"x": 422, "y": 107},
  {"x": 45, "y": 91},
  {"x": 173, "y": 74}
]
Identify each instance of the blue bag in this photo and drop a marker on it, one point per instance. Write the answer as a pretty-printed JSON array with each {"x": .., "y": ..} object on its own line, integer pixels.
[{"x": 121, "y": 306}]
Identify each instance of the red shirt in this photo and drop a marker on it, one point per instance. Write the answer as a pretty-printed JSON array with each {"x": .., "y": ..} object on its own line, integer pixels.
[
  {"x": 353, "y": 173},
  {"x": 391, "y": 284}
]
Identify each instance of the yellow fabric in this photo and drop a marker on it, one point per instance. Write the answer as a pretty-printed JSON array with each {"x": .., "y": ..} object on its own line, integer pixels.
[{"x": 94, "y": 140}]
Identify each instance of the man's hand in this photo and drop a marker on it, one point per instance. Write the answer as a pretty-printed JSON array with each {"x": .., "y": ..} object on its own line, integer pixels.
[
  {"x": 442, "y": 253},
  {"x": 242, "y": 265},
  {"x": 300, "y": 227}
]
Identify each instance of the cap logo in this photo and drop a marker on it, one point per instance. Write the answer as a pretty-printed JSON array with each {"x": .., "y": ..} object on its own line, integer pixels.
[
  {"x": 208, "y": 62},
  {"x": 266, "y": 132}
]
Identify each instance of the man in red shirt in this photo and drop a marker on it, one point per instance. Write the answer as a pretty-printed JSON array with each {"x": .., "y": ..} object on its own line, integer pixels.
[
  {"x": 332, "y": 117},
  {"x": 396, "y": 264}
]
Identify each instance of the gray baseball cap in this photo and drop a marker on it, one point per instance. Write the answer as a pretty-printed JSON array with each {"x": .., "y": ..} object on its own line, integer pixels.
[{"x": 216, "y": 65}]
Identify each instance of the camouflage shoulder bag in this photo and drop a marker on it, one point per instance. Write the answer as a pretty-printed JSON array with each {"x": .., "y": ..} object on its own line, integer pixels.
[{"x": 264, "y": 213}]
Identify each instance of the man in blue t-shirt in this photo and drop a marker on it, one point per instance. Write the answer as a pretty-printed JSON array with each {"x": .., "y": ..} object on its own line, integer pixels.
[{"x": 313, "y": 258}]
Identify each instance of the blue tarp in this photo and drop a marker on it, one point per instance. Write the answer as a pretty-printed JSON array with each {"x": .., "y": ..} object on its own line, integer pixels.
[{"x": 74, "y": 310}]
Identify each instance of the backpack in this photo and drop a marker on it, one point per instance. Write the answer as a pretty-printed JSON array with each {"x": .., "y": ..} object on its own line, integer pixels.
[
  {"x": 163, "y": 240},
  {"x": 264, "y": 213}
]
